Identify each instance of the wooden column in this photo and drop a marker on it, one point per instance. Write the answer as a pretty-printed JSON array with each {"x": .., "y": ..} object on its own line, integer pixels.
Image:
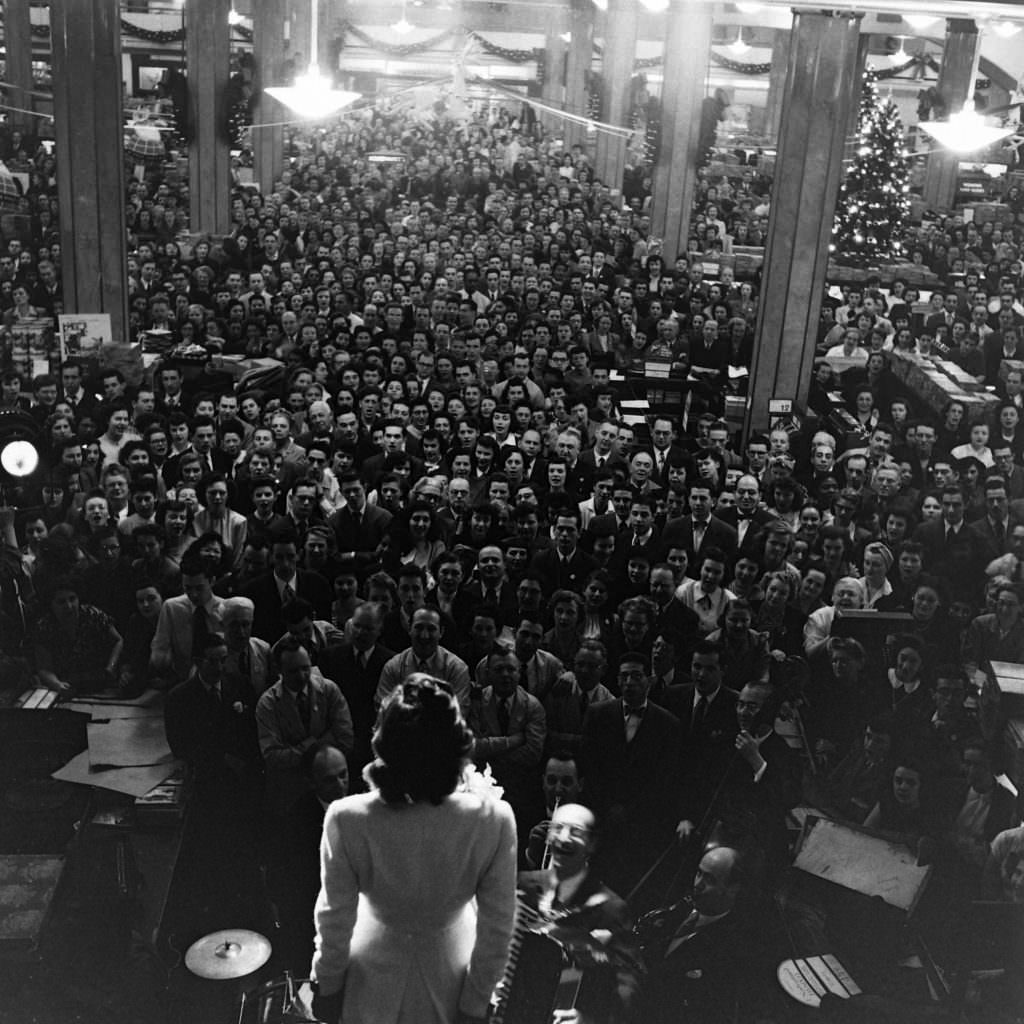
[
  {"x": 956, "y": 83},
  {"x": 88, "y": 132},
  {"x": 820, "y": 88},
  {"x": 553, "y": 90},
  {"x": 687, "y": 54},
  {"x": 207, "y": 38},
  {"x": 578, "y": 62},
  {"x": 18, "y": 50},
  {"x": 616, "y": 72},
  {"x": 776, "y": 82},
  {"x": 270, "y": 49}
]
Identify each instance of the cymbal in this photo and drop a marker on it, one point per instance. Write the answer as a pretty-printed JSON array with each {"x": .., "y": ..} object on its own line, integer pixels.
[{"x": 232, "y": 953}]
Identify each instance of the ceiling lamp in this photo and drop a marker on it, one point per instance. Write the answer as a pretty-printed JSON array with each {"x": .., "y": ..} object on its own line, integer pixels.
[
  {"x": 1005, "y": 29},
  {"x": 313, "y": 95},
  {"x": 965, "y": 131},
  {"x": 601, "y": 5},
  {"x": 403, "y": 26},
  {"x": 900, "y": 56},
  {"x": 234, "y": 18},
  {"x": 655, "y": 6},
  {"x": 748, "y": 8},
  {"x": 920, "y": 21},
  {"x": 738, "y": 46}
]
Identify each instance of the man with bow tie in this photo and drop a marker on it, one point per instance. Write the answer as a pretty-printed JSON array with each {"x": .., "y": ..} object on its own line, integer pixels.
[{"x": 630, "y": 752}]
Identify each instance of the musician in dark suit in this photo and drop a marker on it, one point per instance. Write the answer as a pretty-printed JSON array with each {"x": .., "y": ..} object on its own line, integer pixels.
[
  {"x": 359, "y": 528},
  {"x": 570, "y": 893},
  {"x": 630, "y": 754},
  {"x": 707, "y": 957},
  {"x": 750, "y": 786},
  {"x": 356, "y": 668},
  {"x": 564, "y": 567},
  {"x": 283, "y": 583}
]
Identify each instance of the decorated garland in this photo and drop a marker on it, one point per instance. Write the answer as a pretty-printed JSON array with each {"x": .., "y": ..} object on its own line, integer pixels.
[
  {"x": 148, "y": 34},
  {"x": 396, "y": 49},
  {"x": 739, "y": 67},
  {"x": 512, "y": 56},
  {"x": 918, "y": 59}
]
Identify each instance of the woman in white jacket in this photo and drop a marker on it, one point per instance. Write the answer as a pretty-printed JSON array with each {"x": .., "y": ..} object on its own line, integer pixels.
[{"x": 417, "y": 895}]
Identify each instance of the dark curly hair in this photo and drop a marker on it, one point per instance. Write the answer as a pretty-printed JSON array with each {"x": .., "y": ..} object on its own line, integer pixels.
[{"x": 421, "y": 743}]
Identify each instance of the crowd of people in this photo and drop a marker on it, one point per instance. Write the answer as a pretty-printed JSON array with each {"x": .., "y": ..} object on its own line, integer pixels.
[{"x": 435, "y": 479}]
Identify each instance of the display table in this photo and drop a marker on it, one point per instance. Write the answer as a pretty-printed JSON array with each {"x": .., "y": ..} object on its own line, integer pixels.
[{"x": 936, "y": 382}]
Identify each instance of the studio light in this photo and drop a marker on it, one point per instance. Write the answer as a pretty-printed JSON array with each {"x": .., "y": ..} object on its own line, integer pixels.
[{"x": 19, "y": 458}]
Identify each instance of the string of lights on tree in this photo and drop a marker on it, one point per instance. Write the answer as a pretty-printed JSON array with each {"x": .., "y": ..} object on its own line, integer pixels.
[{"x": 874, "y": 198}]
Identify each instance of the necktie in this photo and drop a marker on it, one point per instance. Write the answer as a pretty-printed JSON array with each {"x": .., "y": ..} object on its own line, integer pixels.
[
  {"x": 662, "y": 459},
  {"x": 601, "y": 460},
  {"x": 302, "y": 704},
  {"x": 200, "y": 630},
  {"x": 633, "y": 717},
  {"x": 288, "y": 594},
  {"x": 698, "y": 537},
  {"x": 584, "y": 703},
  {"x": 524, "y": 676},
  {"x": 503, "y": 717},
  {"x": 698, "y": 714},
  {"x": 682, "y": 933},
  {"x": 243, "y": 663},
  {"x": 1000, "y": 532},
  {"x": 490, "y": 596}
]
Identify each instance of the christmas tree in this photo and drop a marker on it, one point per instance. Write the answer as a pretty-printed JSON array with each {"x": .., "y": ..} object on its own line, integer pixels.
[{"x": 874, "y": 199}]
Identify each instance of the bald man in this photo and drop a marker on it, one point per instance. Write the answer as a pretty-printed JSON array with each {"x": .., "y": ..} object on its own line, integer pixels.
[
  {"x": 706, "y": 957},
  {"x": 584, "y": 911}
]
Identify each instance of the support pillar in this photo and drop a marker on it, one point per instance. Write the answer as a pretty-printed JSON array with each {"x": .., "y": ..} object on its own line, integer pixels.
[
  {"x": 616, "y": 71},
  {"x": 18, "y": 50},
  {"x": 553, "y": 90},
  {"x": 88, "y": 132},
  {"x": 578, "y": 62},
  {"x": 820, "y": 89},
  {"x": 776, "y": 82},
  {"x": 687, "y": 54},
  {"x": 270, "y": 49},
  {"x": 956, "y": 81},
  {"x": 208, "y": 55}
]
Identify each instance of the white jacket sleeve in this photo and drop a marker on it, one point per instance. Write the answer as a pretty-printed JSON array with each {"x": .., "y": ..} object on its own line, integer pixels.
[
  {"x": 496, "y": 908},
  {"x": 336, "y": 906}
]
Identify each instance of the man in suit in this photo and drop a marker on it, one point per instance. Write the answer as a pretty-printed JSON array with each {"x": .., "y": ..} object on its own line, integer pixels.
[
  {"x": 360, "y": 528},
  {"x": 282, "y": 584},
  {"x": 630, "y": 751},
  {"x": 568, "y": 700},
  {"x": 664, "y": 449},
  {"x": 509, "y": 730},
  {"x": 705, "y": 708},
  {"x": 394, "y": 444},
  {"x": 699, "y": 530},
  {"x": 746, "y": 517},
  {"x": 697, "y": 950},
  {"x": 565, "y": 567},
  {"x": 750, "y": 783},
  {"x": 492, "y": 587},
  {"x": 941, "y": 538},
  {"x": 205, "y": 720},
  {"x": 603, "y": 455},
  {"x": 583, "y": 905},
  {"x": 185, "y": 621},
  {"x": 355, "y": 667},
  {"x": 538, "y": 669},
  {"x": 994, "y": 529},
  {"x": 301, "y": 710}
]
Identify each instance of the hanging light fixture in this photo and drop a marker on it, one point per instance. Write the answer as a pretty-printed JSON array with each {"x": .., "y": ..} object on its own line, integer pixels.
[
  {"x": 601, "y": 5},
  {"x": 313, "y": 96},
  {"x": 965, "y": 131},
  {"x": 655, "y": 6},
  {"x": 900, "y": 56},
  {"x": 920, "y": 21},
  {"x": 403, "y": 26},
  {"x": 748, "y": 8},
  {"x": 738, "y": 46}
]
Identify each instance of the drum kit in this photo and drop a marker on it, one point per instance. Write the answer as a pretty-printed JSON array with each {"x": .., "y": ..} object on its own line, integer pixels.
[{"x": 236, "y": 953}]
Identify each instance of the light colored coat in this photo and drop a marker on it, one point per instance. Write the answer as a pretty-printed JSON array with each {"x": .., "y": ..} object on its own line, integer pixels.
[{"x": 395, "y": 917}]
